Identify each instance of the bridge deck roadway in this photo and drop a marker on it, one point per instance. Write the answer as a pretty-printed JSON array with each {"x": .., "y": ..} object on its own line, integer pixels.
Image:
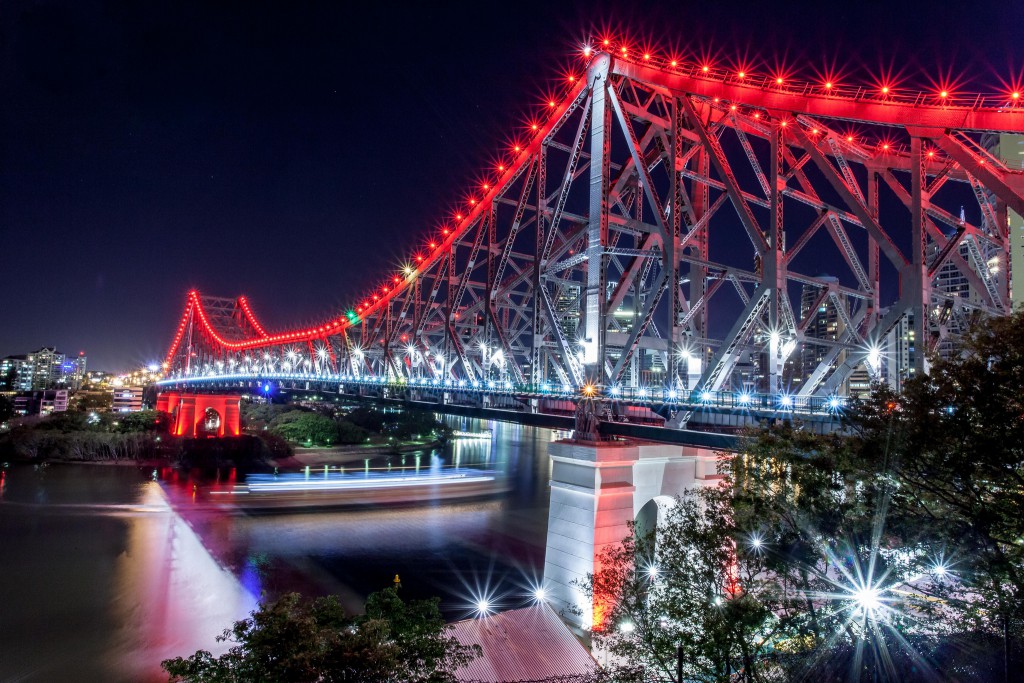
[{"x": 685, "y": 437}]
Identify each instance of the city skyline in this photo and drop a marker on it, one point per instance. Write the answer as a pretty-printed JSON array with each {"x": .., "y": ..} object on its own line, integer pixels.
[{"x": 288, "y": 155}]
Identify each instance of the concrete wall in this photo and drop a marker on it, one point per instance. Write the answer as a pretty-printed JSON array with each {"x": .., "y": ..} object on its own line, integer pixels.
[{"x": 596, "y": 491}]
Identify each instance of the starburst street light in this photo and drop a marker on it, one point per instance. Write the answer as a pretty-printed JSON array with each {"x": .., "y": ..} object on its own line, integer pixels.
[
  {"x": 867, "y": 598},
  {"x": 874, "y": 358}
]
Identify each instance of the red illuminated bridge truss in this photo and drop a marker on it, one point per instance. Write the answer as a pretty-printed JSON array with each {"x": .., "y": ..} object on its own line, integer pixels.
[{"x": 671, "y": 224}]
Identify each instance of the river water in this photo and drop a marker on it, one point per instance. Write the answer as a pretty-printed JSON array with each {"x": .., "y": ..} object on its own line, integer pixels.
[{"x": 107, "y": 570}]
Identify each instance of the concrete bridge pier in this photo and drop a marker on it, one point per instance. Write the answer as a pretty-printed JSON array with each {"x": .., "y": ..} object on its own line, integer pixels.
[{"x": 596, "y": 490}]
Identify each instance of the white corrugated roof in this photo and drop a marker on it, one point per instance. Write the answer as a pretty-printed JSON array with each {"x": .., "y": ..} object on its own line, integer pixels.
[{"x": 525, "y": 644}]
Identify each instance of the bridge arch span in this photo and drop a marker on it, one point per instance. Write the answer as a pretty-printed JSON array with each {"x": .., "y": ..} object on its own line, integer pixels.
[{"x": 679, "y": 227}]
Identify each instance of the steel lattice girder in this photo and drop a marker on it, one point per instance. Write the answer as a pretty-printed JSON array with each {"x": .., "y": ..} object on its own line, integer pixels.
[{"x": 602, "y": 253}]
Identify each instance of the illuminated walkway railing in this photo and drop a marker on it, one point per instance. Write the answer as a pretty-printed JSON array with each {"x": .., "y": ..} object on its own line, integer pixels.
[{"x": 782, "y": 403}]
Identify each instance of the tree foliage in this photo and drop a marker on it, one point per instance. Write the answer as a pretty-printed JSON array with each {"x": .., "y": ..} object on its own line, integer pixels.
[
  {"x": 292, "y": 639},
  {"x": 949, "y": 450},
  {"x": 311, "y": 428},
  {"x": 892, "y": 551}
]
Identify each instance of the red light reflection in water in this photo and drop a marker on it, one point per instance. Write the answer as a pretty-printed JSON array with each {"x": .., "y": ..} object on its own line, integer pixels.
[{"x": 171, "y": 595}]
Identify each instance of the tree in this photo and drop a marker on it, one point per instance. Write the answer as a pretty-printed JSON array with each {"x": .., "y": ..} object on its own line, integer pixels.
[
  {"x": 257, "y": 416},
  {"x": 892, "y": 551},
  {"x": 294, "y": 639},
  {"x": 349, "y": 433},
  {"x": 414, "y": 424},
  {"x": 87, "y": 401},
  {"x": 950, "y": 448},
  {"x": 673, "y": 595},
  {"x": 306, "y": 427},
  {"x": 368, "y": 418},
  {"x": 144, "y": 421},
  {"x": 784, "y": 572}
]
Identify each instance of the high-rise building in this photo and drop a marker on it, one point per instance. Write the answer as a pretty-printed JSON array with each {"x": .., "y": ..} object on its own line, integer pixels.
[
  {"x": 1011, "y": 151},
  {"x": 15, "y": 374},
  {"x": 825, "y": 324},
  {"x": 899, "y": 352},
  {"x": 74, "y": 369},
  {"x": 567, "y": 306},
  {"x": 47, "y": 368}
]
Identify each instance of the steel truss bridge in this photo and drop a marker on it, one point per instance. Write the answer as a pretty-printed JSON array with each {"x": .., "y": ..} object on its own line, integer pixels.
[{"x": 679, "y": 233}]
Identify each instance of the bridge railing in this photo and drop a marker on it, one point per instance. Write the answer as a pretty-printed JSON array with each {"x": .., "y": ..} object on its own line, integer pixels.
[{"x": 671, "y": 397}]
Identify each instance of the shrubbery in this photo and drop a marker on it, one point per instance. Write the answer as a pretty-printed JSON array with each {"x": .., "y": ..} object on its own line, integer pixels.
[
  {"x": 296, "y": 639},
  {"x": 25, "y": 443},
  {"x": 312, "y": 428}
]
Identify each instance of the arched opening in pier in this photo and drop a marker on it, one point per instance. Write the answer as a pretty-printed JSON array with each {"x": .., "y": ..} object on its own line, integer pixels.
[{"x": 210, "y": 425}]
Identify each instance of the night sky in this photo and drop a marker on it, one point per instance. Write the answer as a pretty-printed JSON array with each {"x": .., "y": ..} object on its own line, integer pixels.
[{"x": 291, "y": 151}]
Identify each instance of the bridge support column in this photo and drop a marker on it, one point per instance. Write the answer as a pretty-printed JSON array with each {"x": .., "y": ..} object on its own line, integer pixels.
[
  {"x": 591, "y": 507},
  {"x": 597, "y": 489},
  {"x": 188, "y": 412}
]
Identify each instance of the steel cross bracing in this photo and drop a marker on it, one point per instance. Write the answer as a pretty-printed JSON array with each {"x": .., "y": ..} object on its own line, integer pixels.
[{"x": 599, "y": 257}]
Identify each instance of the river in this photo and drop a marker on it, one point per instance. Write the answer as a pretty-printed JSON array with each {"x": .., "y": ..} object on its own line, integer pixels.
[{"x": 107, "y": 570}]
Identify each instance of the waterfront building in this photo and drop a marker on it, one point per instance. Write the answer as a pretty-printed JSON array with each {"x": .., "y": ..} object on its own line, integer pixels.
[
  {"x": 41, "y": 402},
  {"x": 127, "y": 400}
]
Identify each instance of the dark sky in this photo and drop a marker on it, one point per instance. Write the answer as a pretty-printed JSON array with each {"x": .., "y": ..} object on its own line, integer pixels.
[{"x": 289, "y": 151}]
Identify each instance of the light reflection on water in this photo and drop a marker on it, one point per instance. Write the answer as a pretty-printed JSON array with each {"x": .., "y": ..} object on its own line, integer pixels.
[
  {"x": 105, "y": 572},
  {"x": 172, "y": 596},
  {"x": 101, "y": 579}
]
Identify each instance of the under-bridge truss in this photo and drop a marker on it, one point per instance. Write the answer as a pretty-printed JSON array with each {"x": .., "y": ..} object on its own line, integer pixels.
[{"x": 676, "y": 226}]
